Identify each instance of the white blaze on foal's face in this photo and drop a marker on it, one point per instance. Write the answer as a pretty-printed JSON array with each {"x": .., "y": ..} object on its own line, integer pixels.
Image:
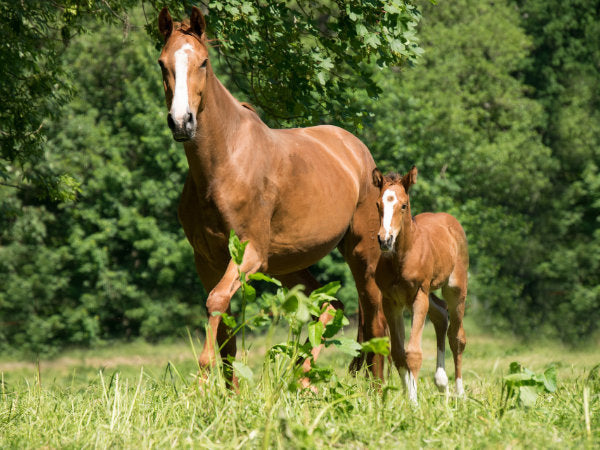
[{"x": 389, "y": 200}]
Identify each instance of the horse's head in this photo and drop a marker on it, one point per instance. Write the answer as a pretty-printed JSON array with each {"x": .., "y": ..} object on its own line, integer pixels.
[
  {"x": 393, "y": 204},
  {"x": 184, "y": 64}
]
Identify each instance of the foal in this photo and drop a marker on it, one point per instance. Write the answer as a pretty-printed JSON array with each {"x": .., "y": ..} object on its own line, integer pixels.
[{"x": 420, "y": 254}]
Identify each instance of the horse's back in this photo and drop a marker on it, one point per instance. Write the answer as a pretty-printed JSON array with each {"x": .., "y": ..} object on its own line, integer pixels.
[{"x": 447, "y": 241}]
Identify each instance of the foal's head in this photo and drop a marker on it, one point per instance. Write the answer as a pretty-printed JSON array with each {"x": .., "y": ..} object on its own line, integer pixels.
[
  {"x": 184, "y": 64},
  {"x": 393, "y": 205}
]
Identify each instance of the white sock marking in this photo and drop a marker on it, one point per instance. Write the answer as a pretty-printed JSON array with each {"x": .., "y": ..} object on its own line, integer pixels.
[
  {"x": 411, "y": 386},
  {"x": 180, "y": 105},
  {"x": 459, "y": 387}
]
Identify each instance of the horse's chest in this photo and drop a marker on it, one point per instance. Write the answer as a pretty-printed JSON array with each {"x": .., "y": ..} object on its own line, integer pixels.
[{"x": 204, "y": 228}]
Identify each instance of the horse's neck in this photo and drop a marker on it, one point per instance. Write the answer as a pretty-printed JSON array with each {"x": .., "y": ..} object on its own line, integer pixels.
[
  {"x": 407, "y": 238},
  {"x": 218, "y": 124}
]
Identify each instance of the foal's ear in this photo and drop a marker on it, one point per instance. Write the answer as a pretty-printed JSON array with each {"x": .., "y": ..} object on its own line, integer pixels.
[
  {"x": 410, "y": 178},
  {"x": 377, "y": 178},
  {"x": 165, "y": 23},
  {"x": 197, "y": 22}
]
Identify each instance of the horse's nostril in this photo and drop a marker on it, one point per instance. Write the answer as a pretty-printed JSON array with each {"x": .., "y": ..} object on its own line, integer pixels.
[
  {"x": 170, "y": 121},
  {"x": 190, "y": 118},
  {"x": 379, "y": 239}
]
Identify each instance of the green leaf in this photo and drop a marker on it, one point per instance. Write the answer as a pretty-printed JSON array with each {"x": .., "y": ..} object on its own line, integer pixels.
[
  {"x": 379, "y": 346},
  {"x": 236, "y": 248},
  {"x": 315, "y": 331},
  {"x": 250, "y": 293},
  {"x": 550, "y": 379},
  {"x": 227, "y": 319},
  {"x": 528, "y": 395},
  {"x": 329, "y": 289},
  {"x": 242, "y": 371},
  {"x": 262, "y": 277},
  {"x": 339, "y": 320},
  {"x": 345, "y": 345}
]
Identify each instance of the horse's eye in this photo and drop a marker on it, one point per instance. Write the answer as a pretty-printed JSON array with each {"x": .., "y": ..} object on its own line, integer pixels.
[
  {"x": 404, "y": 207},
  {"x": 203, "y": 65}
]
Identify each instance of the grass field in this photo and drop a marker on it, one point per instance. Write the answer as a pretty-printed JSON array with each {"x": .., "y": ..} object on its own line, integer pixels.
[{"x": 142, "y": 396}]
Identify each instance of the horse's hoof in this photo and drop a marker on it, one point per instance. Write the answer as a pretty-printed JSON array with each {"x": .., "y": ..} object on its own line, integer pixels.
[{"x": 305, "y": 385}]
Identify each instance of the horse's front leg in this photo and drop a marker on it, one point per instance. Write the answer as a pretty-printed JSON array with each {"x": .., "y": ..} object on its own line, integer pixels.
[
  {"x": 414, "y": 353},
  {"x": 220, "y": 298}
]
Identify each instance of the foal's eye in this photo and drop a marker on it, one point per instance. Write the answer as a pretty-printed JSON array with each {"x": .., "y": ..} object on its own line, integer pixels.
[
  {"x": 404, "y": 207},
  {"x": 203, "y": 65}
]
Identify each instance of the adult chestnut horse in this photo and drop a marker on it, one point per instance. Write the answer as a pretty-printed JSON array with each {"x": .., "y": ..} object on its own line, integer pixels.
[
  {"x": 294, "y": 194},
  {"x": 420, "y": 254}
]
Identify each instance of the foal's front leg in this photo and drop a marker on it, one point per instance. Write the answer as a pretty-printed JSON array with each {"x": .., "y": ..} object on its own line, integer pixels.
[
  {"x": 220, "y": 297},
  {"x": 414, "y": 354}
]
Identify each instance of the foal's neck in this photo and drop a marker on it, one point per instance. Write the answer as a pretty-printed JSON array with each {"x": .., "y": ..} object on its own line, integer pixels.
[
  {"x": 217, "y": 125},
  {"x": 406, "y": 238}
]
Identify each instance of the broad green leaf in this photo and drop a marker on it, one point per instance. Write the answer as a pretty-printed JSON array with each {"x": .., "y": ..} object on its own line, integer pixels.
[
  {"x": 379, "y": 346},
  {"x": 528, "y": 395},
  {"x": 329, "y": 289},
  {"x": 339, "y": 320},
  {"x": 315, "y": 331},
  {"x": 236, "y": 248},
  {"x": 262, "y": 277},
  {"x": 226, "y": 318},
  {"x": 242, "y": 371},
  {"x": 250, "y": 293},
  {"x": 550, "y": 379},
  {"x": 345, "y": 345}
]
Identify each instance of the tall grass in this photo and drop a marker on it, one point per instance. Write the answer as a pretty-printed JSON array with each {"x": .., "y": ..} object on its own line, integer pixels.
[{"x": 153, "y": 403}]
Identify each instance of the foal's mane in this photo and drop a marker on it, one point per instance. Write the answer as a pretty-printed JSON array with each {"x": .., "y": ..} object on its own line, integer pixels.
[{"x": 393, "y": 177}]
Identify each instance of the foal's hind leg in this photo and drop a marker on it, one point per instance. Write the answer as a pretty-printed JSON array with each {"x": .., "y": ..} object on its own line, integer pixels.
[
  {"x": 455, "y": 296},
  {"x": 438, "y": 314}
]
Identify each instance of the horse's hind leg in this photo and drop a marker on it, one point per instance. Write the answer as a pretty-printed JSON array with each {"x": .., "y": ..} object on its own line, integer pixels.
[
  {"x": 361, "y": 251},
  {"x": 455, "y": 296},
  {"x": 438, "y": 314},
  {"x": 362, "y": 259}
]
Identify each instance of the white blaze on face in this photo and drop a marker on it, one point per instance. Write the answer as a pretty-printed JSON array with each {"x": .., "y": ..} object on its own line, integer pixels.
[
  {"x": 180, "y": 106},
  {"x": 389, "y": 200}
]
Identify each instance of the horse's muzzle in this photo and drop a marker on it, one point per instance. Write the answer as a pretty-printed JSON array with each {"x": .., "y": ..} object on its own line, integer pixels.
[
  {"x": 386, "y": 245},
  {"x": 183, "y": 129}
]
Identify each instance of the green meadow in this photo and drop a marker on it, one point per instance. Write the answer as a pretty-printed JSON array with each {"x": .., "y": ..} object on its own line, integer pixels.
[{"x": 137, "y": 395}]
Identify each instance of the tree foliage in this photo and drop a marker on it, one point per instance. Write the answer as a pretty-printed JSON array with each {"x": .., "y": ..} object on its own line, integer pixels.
[
  {"x": 303, "y": 62},
  {"x": 500, "y": 115}
]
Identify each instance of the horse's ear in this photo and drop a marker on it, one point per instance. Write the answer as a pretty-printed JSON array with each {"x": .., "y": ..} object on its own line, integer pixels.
[
  {"x": 377, "y": 178},
  {"x": 197, "y": 22},
  {"x": 410, "y": 178},
  {"x": 165, "y": 23}
]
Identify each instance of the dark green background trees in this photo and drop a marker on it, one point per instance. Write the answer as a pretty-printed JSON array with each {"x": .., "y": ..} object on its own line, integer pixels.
[{"x": 500, "y": 115}]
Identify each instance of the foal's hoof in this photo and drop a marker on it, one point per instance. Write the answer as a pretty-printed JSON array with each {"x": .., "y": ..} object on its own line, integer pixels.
[
  {"x": 441, "y": 380},
  {"x": 460, "y": 390}
]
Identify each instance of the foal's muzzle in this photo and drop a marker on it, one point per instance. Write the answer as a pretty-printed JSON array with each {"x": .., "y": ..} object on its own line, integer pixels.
[
  {"x": 183, "y": 129},
  {"x": 386, "y": 245}
]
